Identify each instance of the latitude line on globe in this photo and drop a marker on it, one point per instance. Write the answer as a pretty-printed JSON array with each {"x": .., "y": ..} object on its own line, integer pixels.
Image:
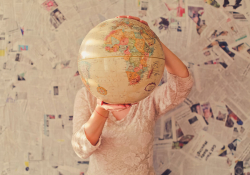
[{"x": 117, "y": 56}]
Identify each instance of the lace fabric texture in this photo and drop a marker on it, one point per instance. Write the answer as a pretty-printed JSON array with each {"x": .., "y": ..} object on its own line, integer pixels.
[{"x": 126, "y": 146}]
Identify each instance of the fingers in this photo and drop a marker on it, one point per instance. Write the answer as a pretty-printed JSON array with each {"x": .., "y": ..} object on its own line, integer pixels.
[
  {"x": 104, "y": 103},
  {"x": 114, "y": 107},
  {"x": 130, "y": 17},
  {"x": 121, "y": 17},
  {"x": 144, "y": 22},
  {"x": 99, "y": 102},
  {"x": 126, "y": 105},
  {"x": 134, "y": 103},
  {"x": 118, "y": 106},
  {"x": 133, "y": 17},
  {"x": 115, "y": 110}
]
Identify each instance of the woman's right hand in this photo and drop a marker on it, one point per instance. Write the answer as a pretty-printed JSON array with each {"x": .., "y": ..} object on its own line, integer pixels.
[{"x": 112, "y": 107}]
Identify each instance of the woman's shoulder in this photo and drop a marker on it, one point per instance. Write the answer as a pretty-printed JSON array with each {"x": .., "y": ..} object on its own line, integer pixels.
[{"x": 84, "y": 93}]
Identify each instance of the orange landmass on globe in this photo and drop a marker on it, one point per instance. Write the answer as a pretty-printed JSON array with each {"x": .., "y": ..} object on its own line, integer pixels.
[
  {"x": 133, "y": 44},
  {"x": 133, "y": 77},
  {"x": 102, "y": 90}
]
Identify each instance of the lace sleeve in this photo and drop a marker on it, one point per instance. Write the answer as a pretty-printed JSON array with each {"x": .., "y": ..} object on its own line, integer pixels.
[
  {"x": 171, "y": 93},
  {"x": 81, "y": 145}
]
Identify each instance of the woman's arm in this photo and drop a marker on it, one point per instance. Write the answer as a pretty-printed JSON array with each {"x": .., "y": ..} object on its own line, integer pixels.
[
  {"x": 173, "y": 64},
  {"x": 94, "y": 126},
  {"x": 87, "y": 126},
  {"x": 175, "y": 90}
]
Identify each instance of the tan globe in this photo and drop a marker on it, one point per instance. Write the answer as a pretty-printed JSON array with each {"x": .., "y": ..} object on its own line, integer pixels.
[{"x": 121, "y": 61}]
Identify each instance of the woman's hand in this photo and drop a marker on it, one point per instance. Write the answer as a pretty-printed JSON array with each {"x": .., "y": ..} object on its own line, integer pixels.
[
  {"x": 113, "y": 107},
  {"x": 133, "y": 17}
]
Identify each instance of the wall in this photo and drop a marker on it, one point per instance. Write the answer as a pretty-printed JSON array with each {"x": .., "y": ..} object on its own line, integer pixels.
[{"x": 39, "y": 41}]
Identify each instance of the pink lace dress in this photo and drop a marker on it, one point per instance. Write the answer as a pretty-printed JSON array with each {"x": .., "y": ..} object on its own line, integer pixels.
[{"x": 125, "y": 146}]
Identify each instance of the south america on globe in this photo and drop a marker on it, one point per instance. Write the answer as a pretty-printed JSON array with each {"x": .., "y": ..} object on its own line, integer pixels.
[{"x": 121, "y": 61}]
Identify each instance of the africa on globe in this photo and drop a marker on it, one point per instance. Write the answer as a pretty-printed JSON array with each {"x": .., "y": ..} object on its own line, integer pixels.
[{"x": 121, "y": 61}]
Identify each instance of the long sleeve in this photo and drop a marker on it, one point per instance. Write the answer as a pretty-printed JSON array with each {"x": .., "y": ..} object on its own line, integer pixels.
[
  {"x": 170, "y": 94},
  {"x": 81, "y": 145}
]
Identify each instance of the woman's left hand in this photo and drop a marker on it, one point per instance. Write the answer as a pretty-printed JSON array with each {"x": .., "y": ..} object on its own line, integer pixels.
[{"x": 133, "y": 17}]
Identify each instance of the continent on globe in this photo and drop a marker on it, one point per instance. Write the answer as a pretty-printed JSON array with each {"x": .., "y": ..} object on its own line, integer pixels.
[
  {"x": 102, "y": 90},
  {"x": 137, "y": 46}
]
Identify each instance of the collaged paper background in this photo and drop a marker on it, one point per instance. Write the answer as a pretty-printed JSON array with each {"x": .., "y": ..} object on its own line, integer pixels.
[{"x": 207, "y": 134}]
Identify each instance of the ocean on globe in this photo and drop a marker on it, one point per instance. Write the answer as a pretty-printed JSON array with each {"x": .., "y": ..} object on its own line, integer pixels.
[{"x": 121, "y": 61}]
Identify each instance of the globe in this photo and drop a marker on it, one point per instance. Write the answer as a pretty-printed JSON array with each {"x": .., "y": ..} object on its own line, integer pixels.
[{"x": 121, "y": 61}]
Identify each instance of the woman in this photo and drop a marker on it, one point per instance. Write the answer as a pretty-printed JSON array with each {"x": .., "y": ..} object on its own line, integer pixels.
[{"x": 119, "y": 138}]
